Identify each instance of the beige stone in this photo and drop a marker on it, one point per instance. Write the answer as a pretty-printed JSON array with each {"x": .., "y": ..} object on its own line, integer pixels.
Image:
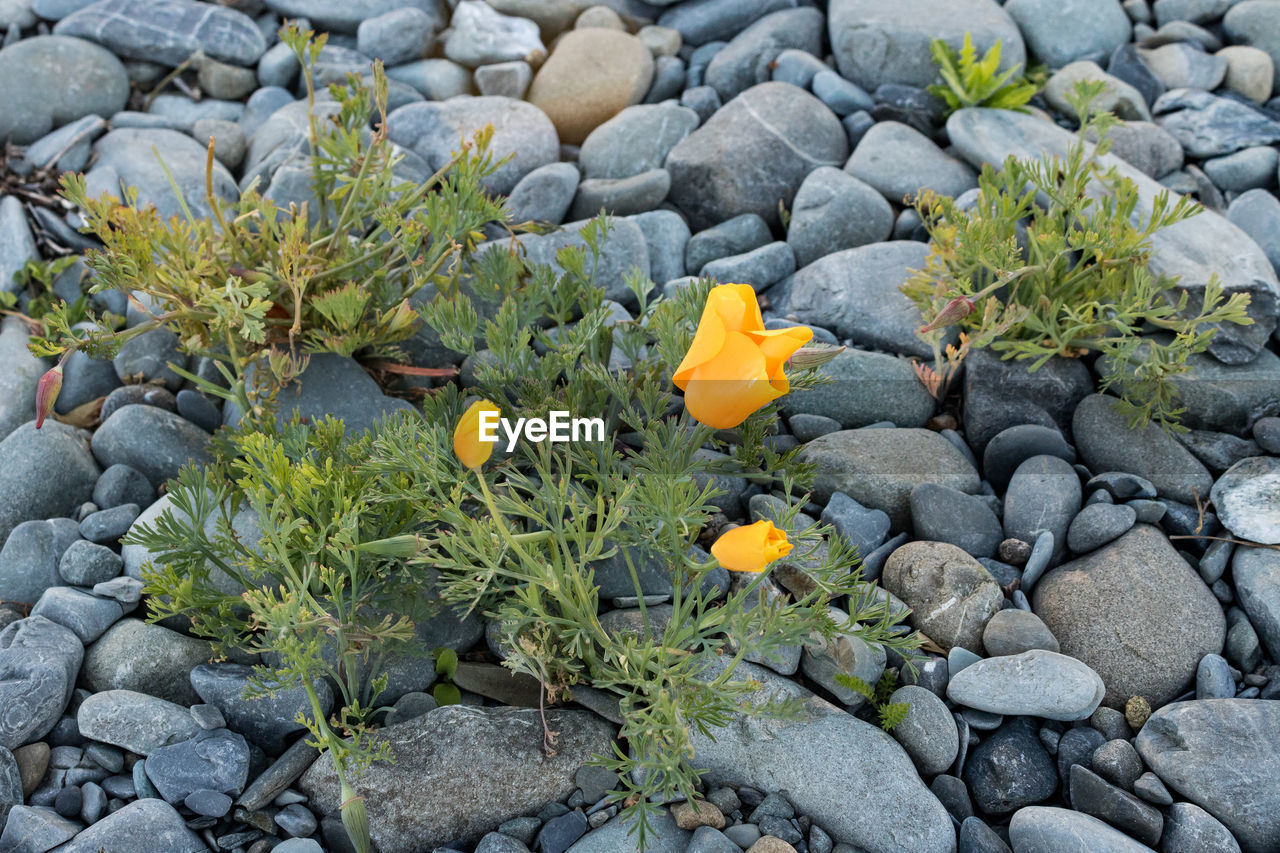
[
  {"x": 951, "y": 595},
  {"x": 600, "y": 16},
  {"x": 1117, "y": 97},
  {"x": 591, "y": 76},
  {"x": 771, "y": 844},
  {"x": 663, "y": 41},
  {"x": 1249, "y": 71},
  {"x": 707, "y": 814}
]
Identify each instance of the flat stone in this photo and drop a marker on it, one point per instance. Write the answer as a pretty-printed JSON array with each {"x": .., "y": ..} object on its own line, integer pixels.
[
  {"x": 55, "y": 80},
  {"x": 134, "y": 721},
  {"x": 1059, "y": 33},
  {"x": 1208, "y": 125},
  {"x": 39, "y": 660},
  {"x": 950, "y": 593},
  {"x": 1014, "y": 631},
  {"x": 1247, "y": 499},
  {"x": 167, "y": 31},
  {"x": 863, "y": 388},
  {"x": 619, "y": 835},
  {"x": 544, "y": 194},
  {"x": 1192, "y": 250},
  {"x": 1046, "y": 829},
  {"x": 216, "y": 761},
  {"x": 636, "y": 140},
  {"x": 857, "y": 294},
  {"x": 716, "y": 171},
  {"x": 1037, "y": 683},
  {"x": 666, "y": 236},
  {"x": 1044, "y": 495},
  {"x": 1135, "y": 613},
  {"x": 1214, "y": 752},
  {"x": 1190, "y": 829},
  {"x": 1117, "y": 96},
  {"x": 463, "y": 806},
  {"x": 87, "y": 616},
  {"x": 125, "y": 158},
  {"x": 31, "y": 828},
  {"x": 703, "y": 21},
  {"x": 1181, "y": 66},
  {"x": 928, "y": 732},
  {"x": 882, "y": 41},
  {"x": 621, "y": 196},
  {"x": 834, "y": 211},
  {"x": 1256, "y": 572},
  {"x": 940, "y": 514},
  {"x": 879, "y": 467},
  {"x": 1098, "y": 524},
  {"x": 139, "y": 827}
]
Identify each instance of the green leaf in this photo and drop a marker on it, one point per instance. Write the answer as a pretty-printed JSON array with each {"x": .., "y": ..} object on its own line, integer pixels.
[
  {"x": 447, "y": 694},
  {"x": 446, "y": 663}
]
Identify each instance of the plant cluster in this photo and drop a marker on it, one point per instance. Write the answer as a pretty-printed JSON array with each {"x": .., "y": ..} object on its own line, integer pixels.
[
  {"x": 1052, "y": 260},
  {"x": 256, "y": 285},
  {"x": 968, "y": 81}
]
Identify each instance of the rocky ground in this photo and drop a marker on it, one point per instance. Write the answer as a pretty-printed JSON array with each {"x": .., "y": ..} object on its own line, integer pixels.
[{"x": 1111, "y": 682}]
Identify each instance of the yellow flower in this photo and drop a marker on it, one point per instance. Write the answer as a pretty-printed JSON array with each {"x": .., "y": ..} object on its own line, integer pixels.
[
  {"x": 751, "y": 548},
  {"x": 734, "y": 365},
  {"x": 467, "y": 446}
]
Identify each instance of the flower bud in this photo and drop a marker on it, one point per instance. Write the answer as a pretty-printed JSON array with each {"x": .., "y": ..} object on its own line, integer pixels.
[
  {"x": 47, "y": 393},
  {"x": 751, "y": 548},
  {"x": 467, "y": 444},
  {"x": 953, "y": 312}
]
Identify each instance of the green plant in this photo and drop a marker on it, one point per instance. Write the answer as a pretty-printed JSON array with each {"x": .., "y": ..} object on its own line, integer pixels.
[
  {"x": 38, "y": 278},
  {"x": 972, "y": 82},
  {"x": 890, "y": 714},
  {"x": 1049, "y": 262},
  {"x": 260, "y": 286},
  {"x": 445, "y": 692}
]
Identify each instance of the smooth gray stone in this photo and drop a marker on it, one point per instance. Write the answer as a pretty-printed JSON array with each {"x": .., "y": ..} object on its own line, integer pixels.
[
  {"x": 1190, "y": 829},
  {"x": 1036, "y": 683},
  {"x": 39, "y": 660},
  {"x": 17, "y": 246},
  {"x": 279, "y": 776},
  {"x": 842, "y": 96},
  {"x": 142, "y": 826},
  {"x": 731, "y": 237},
  {"x": 125, "y": 158},
  {"x": 666, "y": 235},
  {"x": 29, "y": 559},
  {"x": 55, "y": 80},
  {"x": 87, "y": 564},
  {"x": 899, "y": 161},
  {"x": 397, "y": 36},
  {"x": 87, "y": 616},
  {"x": 621, "y": 196},
  {"x": 847, "y": 654},
  {"x": 1043, "y": 496},
  {"x": 545, "y": 194},
  {"x": 636, "y": 140},
  {"x": 834, "y": 211},
  {"x": 1256, "y": 572},
  {"x": 1214, "y": 752},
  {"x": 1191, "y": 250},
  {"x": 780, "y": 133},
  {"x": 151, "y": 440},
  {"x": 885, "y": 41},
  {"x": 1046, "y": 829},
  {"x": 759, "y": 268},
  {"x": 1246, "y": 169},
  {"x": 1098, "y": 524},
  {"x": 1011, "y": 447},
  {"x": 1135, "y": 613},
  {"x": 44, "y": 473},
  {"x": 797, "y": 67},
  {"x": 21, "y": 370},
  {"x": 1254, "y": 23},
  {"x": 863, "y": 388},
  {"x": 31, "y": 828},
  {"x": 928, "y": 733},
  {"x": 167, "y": 31},
  {"x": 745, "y": 61},
  {"x": 1247, "y": 499},
  {"x": 1014, "y": 631},
  {"x": 1213, "y": 679},
  {"x": 1208, "y": 125},
  {"x": 269, "y": 722},
  {"x": 622, "y": 252},
  {"x": 856, "y": 294},
  {"x": 522, "y": 131},
  {"x": 151, "y": 659},
  {"x": 951, "y": 594},
  {"x": 1090, "y": 794},
  {"x": 134, "y": 721},
  {"x": 480, "y": 35},
  {"x": 216, "y": 761},
  {"x": 940, "y": 514},
  {"x": 702, "y": 21},
  {"x": 1016, "y": 743}
]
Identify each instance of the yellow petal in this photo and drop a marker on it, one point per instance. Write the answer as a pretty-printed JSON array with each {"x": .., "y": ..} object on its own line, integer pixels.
[
  {"x": 778, "y": 345},
  {"x": 750, "y": 548},
  {"x": 467, "y": 446},
  {"x": 707, "y": 343},
  {"x": 724, "y": 391}
]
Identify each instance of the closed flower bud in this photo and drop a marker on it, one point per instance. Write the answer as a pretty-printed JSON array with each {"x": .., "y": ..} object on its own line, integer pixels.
[
  {"x": 734, "y": 365},
  {"x": 467, "y": 446},
  {"x": 47, "y": 393},
  {"x": 953, "y": 312},
  {"x": 751, "y": 548}
]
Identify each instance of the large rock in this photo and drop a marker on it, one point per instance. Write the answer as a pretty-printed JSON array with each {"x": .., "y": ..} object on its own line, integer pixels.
[
  {"x": 134, "y": 721},
  {"x": 753, "y": 153},
  {"x": 1002, "y": 393},
  {"x": 1046, "y": 829},
  {"x": 141, "y": 826},
  {"x": 1224, "y": 755},
  {"x": 1136, "y": 613},
  {"x": 420, "y": 800},
  {"x": 151, "y": 440},
  {"x": 138, "y": 157},
  {"x": 44, "y": 473},
  {"x": 136, "y": 655},
  {"x": 951, "y": 595},
  {"x": 636, "y": 140},
  {"x": 703, "y": 21},
  {"x": 900, "y": 161},
  {"x": 167, "y": 31},
  {"x": 591, "y": 76},
  {"x": 53, "y": 80},
  {"x": 1256, "y": 572},
  {"x": 521, "y": 131},
  {"x": 857, "y": 294},
  {"x": 332, "y": 385},
  {"x": 1247, "y": 499},
  {"x": 39, "y": 661},
  {"x": 341, "y": 16},
  {"x": 833, "y": 211},
  {"x": 818, "y": 761},
  {"x": 1192, "y": 250},
  {"x": 879, "y": 467},
  {"x": 887, "y": 41},
  {"x": 1062, "y": 32},
  {"x": 1036, "y": 683},
  {"x": 1106, "y": 443}
]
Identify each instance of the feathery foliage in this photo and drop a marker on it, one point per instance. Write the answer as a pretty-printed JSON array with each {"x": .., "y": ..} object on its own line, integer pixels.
[{"x": 968, "y": 81}]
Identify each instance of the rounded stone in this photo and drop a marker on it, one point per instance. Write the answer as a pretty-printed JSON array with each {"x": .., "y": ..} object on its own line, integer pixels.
[
  {"x": 950, "y": 593},
  {"x": 53, "y": 80},
  {"x": 1247, "y": 499},
  {"x": 591, "y": 76},
  {"x": 1014, "y": 631},
  {"x": 136, "y": 655},
  {"x": 928, "y": 732}
]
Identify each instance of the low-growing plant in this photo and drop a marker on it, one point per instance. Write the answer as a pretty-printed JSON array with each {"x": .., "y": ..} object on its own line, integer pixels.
[
  {"x": 1052, "y": 260},
  {"x": 258, "y": 285},
  {"x": 968, "y": 81},
  {"x": 890, "y": 714}
]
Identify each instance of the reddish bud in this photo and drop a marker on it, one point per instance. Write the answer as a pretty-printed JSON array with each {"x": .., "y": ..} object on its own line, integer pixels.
[
  {"x": 954, "y": 311},
  {"x": 47, "y": 393}
]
